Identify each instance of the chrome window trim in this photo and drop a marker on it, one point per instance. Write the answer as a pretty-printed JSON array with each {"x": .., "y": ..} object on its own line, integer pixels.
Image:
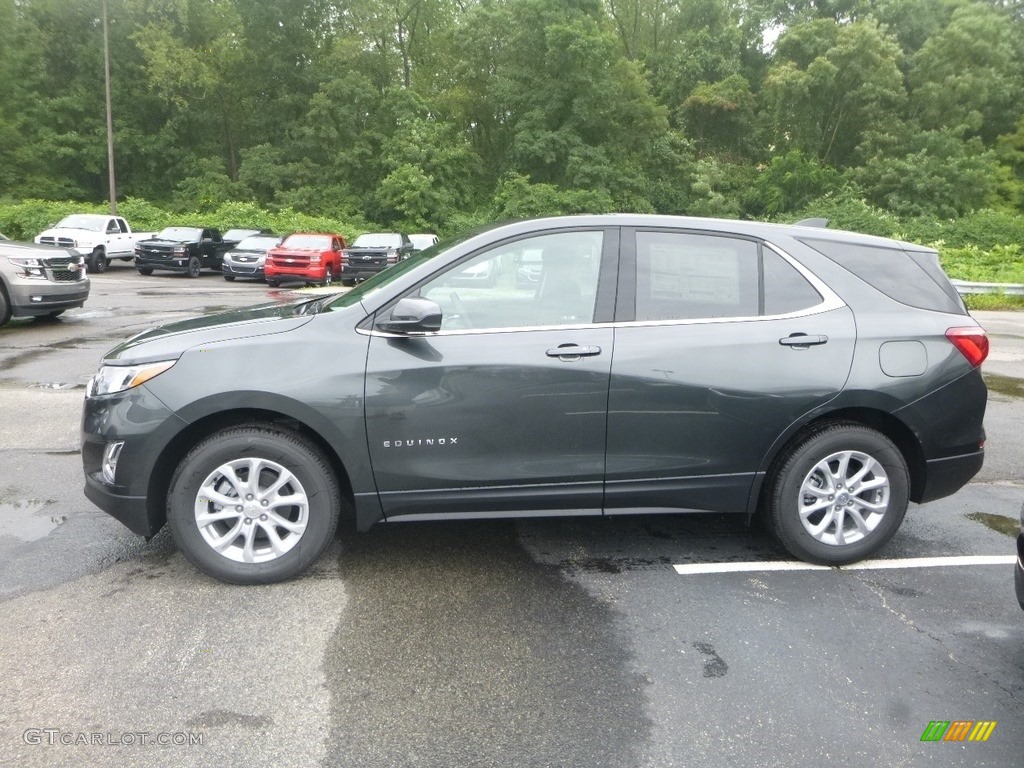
[{"x": 830, "y": 301}]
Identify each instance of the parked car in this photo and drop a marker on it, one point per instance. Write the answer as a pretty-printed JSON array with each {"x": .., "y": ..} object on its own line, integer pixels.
[
  {"x": 248, "y": 257},
  {"x": 180, "y": 249},
  {"x": 233, "y": 237},
  {"x": 821, "y": 379},
  {"x": 314, "y": 258},
  {"x": 40, "y": 280},
  {"x": 371, "y": 253},
  {"x": 420, "y": 242},
  {"x": 1018, "y": 577},
  {"x": 98, "y": 237},
  {"x": 528, "y": 266}
]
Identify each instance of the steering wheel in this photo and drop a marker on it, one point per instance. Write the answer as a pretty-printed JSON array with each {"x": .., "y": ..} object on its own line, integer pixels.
[{"x": 460, "y": 310}]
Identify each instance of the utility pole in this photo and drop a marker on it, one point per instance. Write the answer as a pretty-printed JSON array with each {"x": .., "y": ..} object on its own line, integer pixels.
[{"x": 110, "y": 114}]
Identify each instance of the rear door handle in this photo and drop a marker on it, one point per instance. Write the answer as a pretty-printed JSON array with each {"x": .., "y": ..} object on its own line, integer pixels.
[
  {"x": 802, "y": 340},
  {"x": 573, "y": 351}
]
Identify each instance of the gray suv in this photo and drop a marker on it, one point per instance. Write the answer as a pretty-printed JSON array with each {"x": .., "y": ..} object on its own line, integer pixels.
[
  {"x": 39, "y": 280},
  {"x": 820, "y": 379}
]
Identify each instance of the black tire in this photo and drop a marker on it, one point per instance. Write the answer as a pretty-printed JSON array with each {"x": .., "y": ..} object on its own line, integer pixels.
[
  {"x": 147, "y": 271},
  {"x": 229, "y": 278},
  {"x": 194, "y": 267},
  {"x": 5, "y": 306},
  {"x": 348, "y": 281},
  {"x": 802, "y": 478},
  {"x": 328, "y": 276},
  {"x": 273, "y": 283},
  {"x": 98, "y": 261},
  {"x": 312, "y": 480}
]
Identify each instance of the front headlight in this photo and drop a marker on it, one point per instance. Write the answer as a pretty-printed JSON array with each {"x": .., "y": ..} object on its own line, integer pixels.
[
  {"x": 28, "y": 267},
  {"x": 117, "y": 378}
]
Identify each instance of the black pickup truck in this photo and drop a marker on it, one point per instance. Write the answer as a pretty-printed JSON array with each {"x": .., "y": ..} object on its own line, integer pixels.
[
  {"x": 372, "y": 253},
  {"x": 181, "y": 249}
]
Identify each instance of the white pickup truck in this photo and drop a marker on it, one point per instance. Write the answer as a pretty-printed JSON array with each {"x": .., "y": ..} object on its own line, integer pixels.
[{"x": 96, "y": 236}]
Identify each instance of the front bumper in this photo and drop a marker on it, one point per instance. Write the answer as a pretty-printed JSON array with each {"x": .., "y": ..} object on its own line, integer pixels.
[
  {"x": 361, "y": 272},
  {"x": 33, "y": 298},
  {"x": 173, "y": 264},
  {"x": 242, "y": 270},
  {"x": 145, "y": 426}
]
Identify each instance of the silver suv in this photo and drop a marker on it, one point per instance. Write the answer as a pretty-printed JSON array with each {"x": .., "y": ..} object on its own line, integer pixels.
[{"x": 39, "y": 280}]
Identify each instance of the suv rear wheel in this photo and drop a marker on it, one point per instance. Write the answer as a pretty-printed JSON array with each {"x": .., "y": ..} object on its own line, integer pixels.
[
  {"x": 253, "y": 504},
  {"x": 839, "y": 495}
]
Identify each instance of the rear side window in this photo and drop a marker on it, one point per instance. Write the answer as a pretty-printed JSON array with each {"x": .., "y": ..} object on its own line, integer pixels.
[
  {"x": 893, "y": 272},
  {"x": 686, "y": 276}
]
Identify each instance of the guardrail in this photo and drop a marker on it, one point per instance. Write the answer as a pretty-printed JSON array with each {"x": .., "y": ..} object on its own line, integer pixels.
[{"x": 1010, "y": 289}]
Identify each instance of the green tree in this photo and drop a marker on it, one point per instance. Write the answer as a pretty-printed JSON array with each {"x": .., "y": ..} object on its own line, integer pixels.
[
  {"x": 971, "y": 74},
  {"x": 830, "y": 85}
]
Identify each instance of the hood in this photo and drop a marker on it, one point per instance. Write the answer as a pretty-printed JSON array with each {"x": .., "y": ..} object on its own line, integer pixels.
[
  {"x": 72, "y": 232},
  {"x": 157, "y": 241},
  {"x": 167, "y": 342},
  {"x": 290, "y": 251}
]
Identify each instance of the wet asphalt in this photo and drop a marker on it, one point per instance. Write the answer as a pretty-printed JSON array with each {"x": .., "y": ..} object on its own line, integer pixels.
[{"x": 566, "y": 642}]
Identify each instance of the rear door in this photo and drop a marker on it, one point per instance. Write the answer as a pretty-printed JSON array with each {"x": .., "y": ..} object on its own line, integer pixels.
[
  {"x": 503, "y": 410},
  {"x": 724, "y": 343}
]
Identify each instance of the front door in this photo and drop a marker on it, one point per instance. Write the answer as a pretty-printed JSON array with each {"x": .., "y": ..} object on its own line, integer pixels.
[{"x": 503, "y": 410}]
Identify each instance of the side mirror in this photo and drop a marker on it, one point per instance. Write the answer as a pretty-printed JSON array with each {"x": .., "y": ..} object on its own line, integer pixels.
[{"x": 412, "y": 316}]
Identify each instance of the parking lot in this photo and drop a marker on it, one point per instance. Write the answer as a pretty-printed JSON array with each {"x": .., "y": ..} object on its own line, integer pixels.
[{"x": 573, "y": 642}]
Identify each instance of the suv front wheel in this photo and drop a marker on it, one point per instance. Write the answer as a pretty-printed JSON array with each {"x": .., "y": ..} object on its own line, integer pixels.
[
  {"x": 254, "y": 504},
  {"x": 839, "y": 495}
]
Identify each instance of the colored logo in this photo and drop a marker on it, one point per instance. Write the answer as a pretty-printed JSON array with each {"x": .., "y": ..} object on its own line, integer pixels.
[{"x": 958, "y": 730}]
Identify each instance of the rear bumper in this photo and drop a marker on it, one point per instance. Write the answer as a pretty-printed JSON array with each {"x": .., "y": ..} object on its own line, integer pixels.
[{"x": 944, "y": 477}]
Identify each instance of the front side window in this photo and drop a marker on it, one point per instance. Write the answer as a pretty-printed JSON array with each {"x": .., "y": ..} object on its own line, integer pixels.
[{"x": 549, "y": 280}]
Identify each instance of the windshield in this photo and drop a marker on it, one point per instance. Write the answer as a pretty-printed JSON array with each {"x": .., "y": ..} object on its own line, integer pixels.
[
  {"x": 378, "y": 240},
  {"x": 83, "y": 221},
  {"x": 258, "y": 243},
  {"x": 420, "y": 242},
  {"x": 307, "y": 242},
  {"x": 180, "y": 234},
  {"x": 239, "y": 234}
]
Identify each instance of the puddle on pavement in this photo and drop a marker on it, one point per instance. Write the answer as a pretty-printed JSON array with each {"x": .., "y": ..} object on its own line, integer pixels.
[
  {"x": 998, "y": 523},
  {"x": 29, "y": 519},
  {"x": 55, "y": 385},
  {"x": 1005, "y": 385}
]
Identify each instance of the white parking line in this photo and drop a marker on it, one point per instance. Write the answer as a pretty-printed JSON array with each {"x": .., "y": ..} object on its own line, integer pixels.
[{"x": 867, "y": 565}]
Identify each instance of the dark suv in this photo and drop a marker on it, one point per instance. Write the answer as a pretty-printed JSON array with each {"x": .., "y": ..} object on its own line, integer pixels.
[{"x": 823, "y": 379}]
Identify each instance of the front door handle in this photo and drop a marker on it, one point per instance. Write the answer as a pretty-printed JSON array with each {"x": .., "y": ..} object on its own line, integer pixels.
[
  {"x": 573, "y": 352},
  {"x": 802, "y": 340}
]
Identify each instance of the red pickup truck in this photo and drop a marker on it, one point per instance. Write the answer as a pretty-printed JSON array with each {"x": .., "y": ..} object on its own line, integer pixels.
[{"x": 312, "y": 257}]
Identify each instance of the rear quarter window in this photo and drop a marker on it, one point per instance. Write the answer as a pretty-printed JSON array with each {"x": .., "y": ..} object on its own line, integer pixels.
[{"x": 895, "y": 273}]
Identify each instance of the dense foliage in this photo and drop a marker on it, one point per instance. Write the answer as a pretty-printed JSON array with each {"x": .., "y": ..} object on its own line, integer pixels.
[{"x": 894, "y": 116}]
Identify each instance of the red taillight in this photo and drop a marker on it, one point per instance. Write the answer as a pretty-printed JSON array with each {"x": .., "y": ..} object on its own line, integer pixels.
[{"x": 972, "y": 343}]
